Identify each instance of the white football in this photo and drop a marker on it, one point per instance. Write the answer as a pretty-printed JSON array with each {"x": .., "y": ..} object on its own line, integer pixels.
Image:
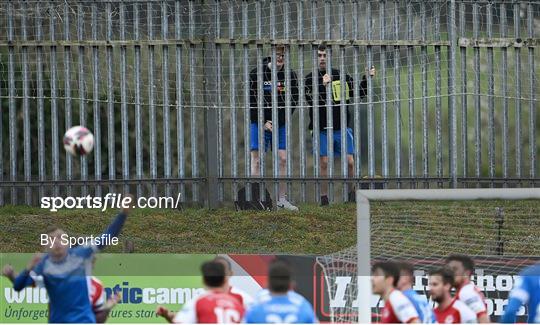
[{"x": 78, "y": 141}]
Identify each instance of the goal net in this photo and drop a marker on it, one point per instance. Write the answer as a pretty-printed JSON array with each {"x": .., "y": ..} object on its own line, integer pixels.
[{"x": 500, "y": 232}]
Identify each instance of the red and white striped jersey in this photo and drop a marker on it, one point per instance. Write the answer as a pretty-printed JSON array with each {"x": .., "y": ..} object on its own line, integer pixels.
[
  {"x": 245, "y": 299},
  {"x": 473, "y": 298},
  {"x": 211, "y": 307},
  {"x": 456, "y": 313},
  {"x": 398, "y": 309},
  {"x": 97, "y": 294}
]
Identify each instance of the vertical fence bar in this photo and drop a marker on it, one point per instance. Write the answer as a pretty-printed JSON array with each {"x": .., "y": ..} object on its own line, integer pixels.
[
  {"x": 301, "y": 100},
  {"x": 219, "y": 107},
  {"x": 138, "y": 102},
  {"x": 344, "y": 103},
  {"x": 152, "y": 97},
  {"x": 517, "y": 86},
  {"x": 491, "y": 94},
  {"x": 532, "y": 85},
  {"x": 315, "y": 103},
  {"x": 55, "y": 140},
  {"x": 438, "y": 101},
  {"x": 464, "y": 115},
  {"x": 212, "y": 73},
  {"x": 219, "y": 102},
  {"x": 397, "y": 91},
  {"x": 193, "y": 101},
  {"x": 96, "y": 101},
  {"x": 67, "y": 90},
  {"x": 12, "y": 106},
  {"x": 110, "y": 101},
  {"x": 247, "y": 104},
  {"x": 410, "y": 79},
  {"x": 82, "y": 92},
  {"x": 166, "y": 109},
  {"x": 477, "y": 99},
  {"x": 260, "y": 97},
  {"x": 40, "y": 103},
  {"x": 26, "y": 109},
  {"x": 384, "y": 97},
  {"x": 329, "y": 104},
  {"x": 356, "y": 91},
  {"x": 275, "y": 119},
  {"x": 504, "y": 84},
  {"x": 179, "y": 100},
  {"x": 425, "y": 103},
  {"x": 371, "y": 111},
  {"x": 1, "y": 150},
  {"x": 232, "y": 101},
  {"x": 288, "y": 89},
  {"x": 452, "y": 37},
  {"x": 123, "y": 100}
]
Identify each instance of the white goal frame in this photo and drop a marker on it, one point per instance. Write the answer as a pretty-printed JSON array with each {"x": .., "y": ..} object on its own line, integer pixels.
[{"x": 363, "y": 216}]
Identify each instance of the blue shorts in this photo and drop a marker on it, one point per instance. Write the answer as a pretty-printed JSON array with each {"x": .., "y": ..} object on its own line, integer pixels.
[
  {"x": 323, "y": 140},
  {"x": 267, "y": 138}
]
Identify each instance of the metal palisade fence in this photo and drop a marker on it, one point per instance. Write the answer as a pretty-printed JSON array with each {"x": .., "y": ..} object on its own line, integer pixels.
[{"x": 171, "y": 89}]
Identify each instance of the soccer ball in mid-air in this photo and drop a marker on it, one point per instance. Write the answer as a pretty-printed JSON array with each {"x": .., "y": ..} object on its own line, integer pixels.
[{"x": 78, "y": 141}]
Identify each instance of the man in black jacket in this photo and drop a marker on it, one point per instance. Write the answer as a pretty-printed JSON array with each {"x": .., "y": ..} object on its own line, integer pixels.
[
  {"x": 282, "y": 89},
  {"x": 330, "y": 81}
]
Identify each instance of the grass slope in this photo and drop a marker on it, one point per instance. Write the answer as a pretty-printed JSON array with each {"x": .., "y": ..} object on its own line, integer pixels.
[
  {"x": 398, "y": 228},
  {"x": 314, "y": 230}
]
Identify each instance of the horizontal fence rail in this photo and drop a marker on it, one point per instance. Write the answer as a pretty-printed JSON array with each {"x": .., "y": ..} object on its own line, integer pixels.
[{"x": 423, "y": 94}]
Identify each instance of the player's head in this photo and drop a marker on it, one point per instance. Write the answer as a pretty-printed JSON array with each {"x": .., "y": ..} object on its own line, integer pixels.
[
  {"x": 213, "y": 274},
  {"x": 385, "y": 276},
  {"x": 406, "y": 276},
  {"x": 280, "y": 56},
  {"x": 279, "y": 277},
  {"x": 462, "y": 266},
  {"x": 321, "y": 53},
  {"x": 226, "y": 265},
  {"x": 441, "y": 282},
  {"x": 59, "y": 248}
]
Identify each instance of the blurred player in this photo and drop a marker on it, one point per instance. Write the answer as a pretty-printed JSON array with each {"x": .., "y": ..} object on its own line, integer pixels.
[
  {"x": 449, "y": 310},
  {"x": 280, "y": 304},
  {"x": 100, "y": 305},
  {"x": 216, "y": 305},
  {"x": 397, "y": 307},
  {"x": 526, "y": 291},
  {"x": 405, "y": 284},
  {"x": 466, "y": 291},
  {"x": 245, "y": 299},
  {"x": 65, "y": 272}
]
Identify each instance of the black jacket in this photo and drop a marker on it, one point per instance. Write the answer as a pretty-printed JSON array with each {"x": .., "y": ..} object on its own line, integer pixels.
[
  {"x": 282, "y": 88},
  {"x": 336, "y": 98}
]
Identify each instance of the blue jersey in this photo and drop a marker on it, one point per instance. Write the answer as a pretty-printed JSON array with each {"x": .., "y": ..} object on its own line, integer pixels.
[
  {"x": 425, "y": 313},
  {"x": 289, "y": 308},
  {"x": 67, "y": 281},
  {"x": 526, "y": 291}
]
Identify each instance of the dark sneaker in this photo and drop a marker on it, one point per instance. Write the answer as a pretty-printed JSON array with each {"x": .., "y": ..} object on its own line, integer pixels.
[
  {"x": 324, "y": 200},
  {"x": 351, "y": 197}
]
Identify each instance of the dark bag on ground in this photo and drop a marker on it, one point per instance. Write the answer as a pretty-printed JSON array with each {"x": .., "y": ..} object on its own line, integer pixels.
[{"x": 256, "y": 202}]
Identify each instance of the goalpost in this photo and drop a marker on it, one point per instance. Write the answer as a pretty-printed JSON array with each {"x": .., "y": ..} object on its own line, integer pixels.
[{"x": 408, "y": 226}]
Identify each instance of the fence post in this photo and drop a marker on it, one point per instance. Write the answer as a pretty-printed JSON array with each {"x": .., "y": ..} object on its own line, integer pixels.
[
  {"x": 210, "y": 108},
  {"x": 452, "y": 30}
]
